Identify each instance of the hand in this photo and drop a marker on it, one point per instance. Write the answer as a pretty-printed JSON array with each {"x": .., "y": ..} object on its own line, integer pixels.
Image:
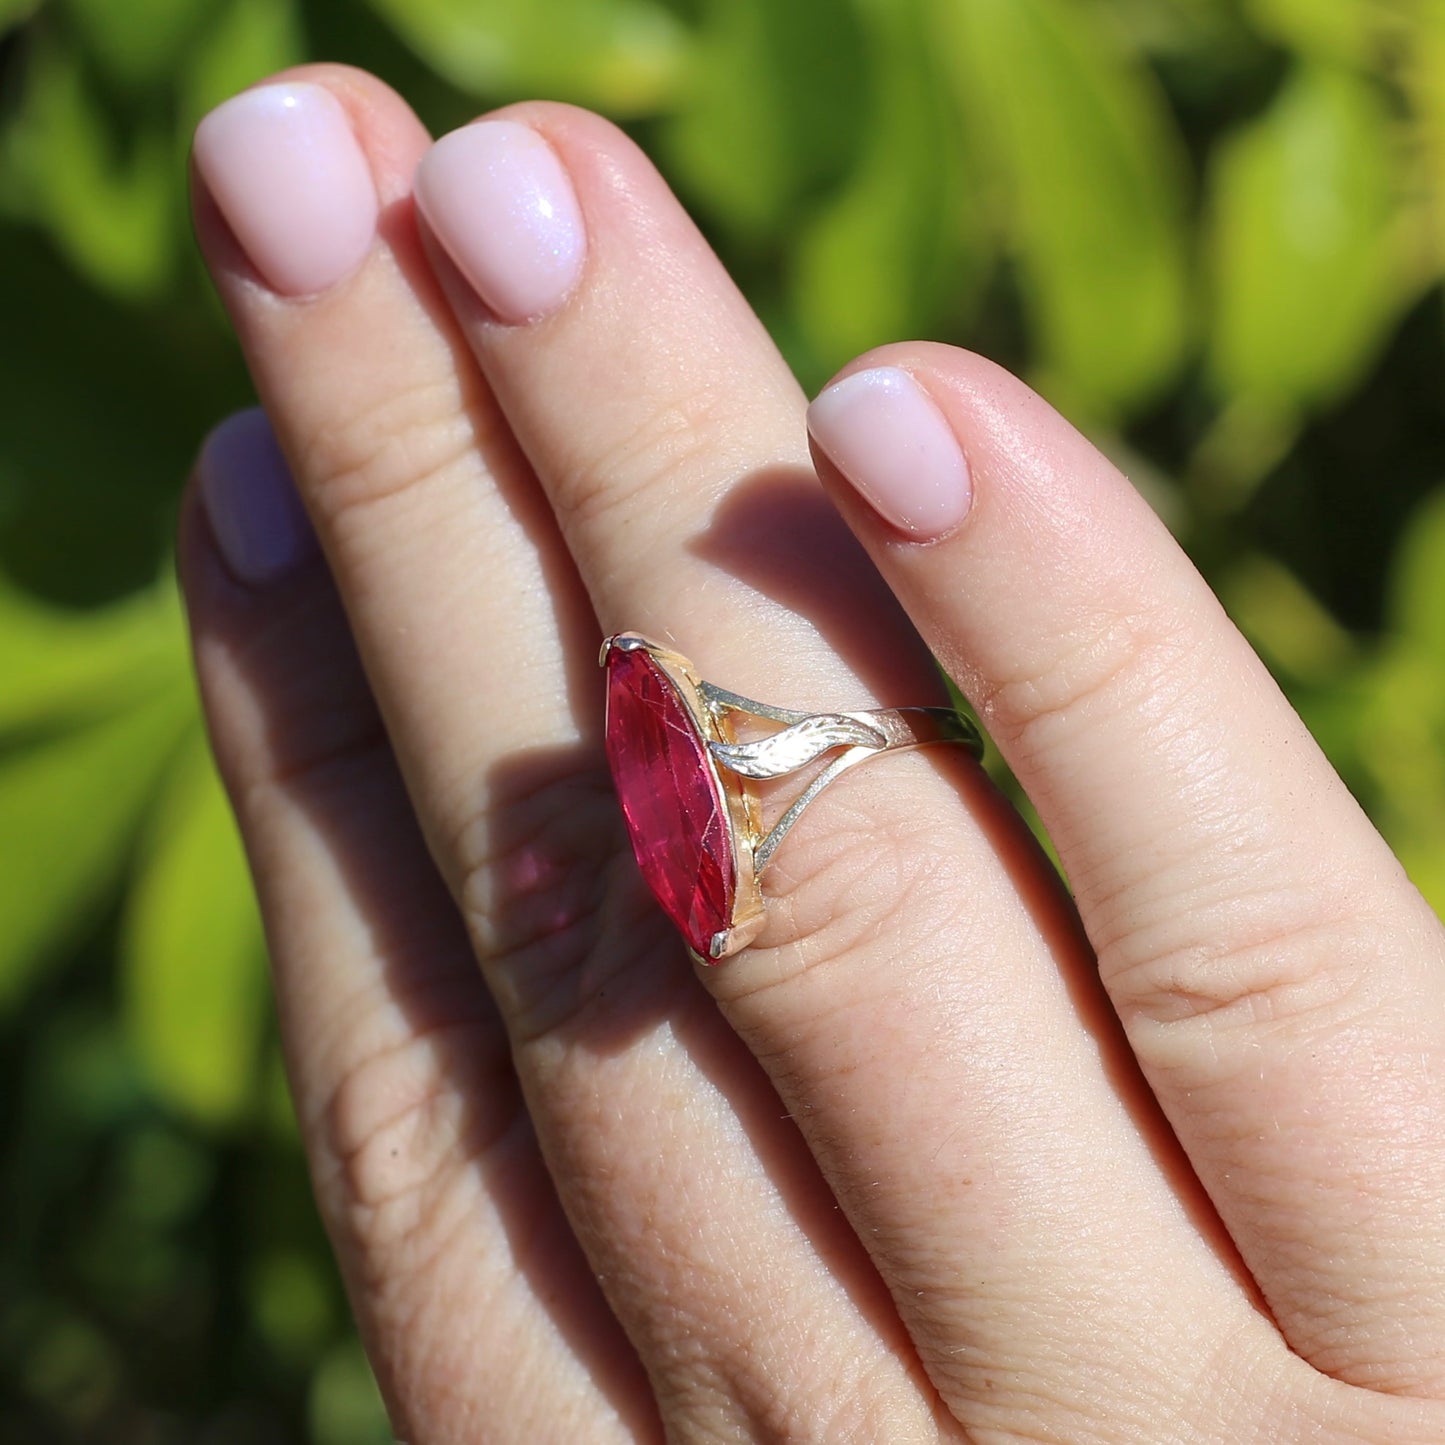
[{"x": 944, "y": 1155}]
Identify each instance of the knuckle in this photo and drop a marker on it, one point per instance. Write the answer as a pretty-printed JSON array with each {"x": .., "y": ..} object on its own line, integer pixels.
[
  {"x": 400, "y": 1134},
  {"x": 727, "y": 1390},
  {"x": 390, "y": 446},
  {"x": 536, "y": 857},
  {"x": 1055, "y": 1386},
  {"x": 1111, "y": 660},
  {"x": 1302, "y": 962},
  {"x": 325, "y": 758},
  {"x": 669, "y": 442},
  {"x": 865, "y": 868}
]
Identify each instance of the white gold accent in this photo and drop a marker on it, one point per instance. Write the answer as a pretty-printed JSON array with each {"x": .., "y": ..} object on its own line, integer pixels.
[{"x": 797, "y": 746}]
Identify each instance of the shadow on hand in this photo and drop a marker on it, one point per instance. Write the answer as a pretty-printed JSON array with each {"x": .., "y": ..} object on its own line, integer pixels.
[
  {"x": 580, "y": 949},
  {"x": 777, "y": 531}
]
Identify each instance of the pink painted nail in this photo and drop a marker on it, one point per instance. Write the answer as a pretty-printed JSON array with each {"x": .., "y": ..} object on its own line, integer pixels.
[
  {"x": 888, "y": 437},
  {"x": 284, "y": 166},
  {"x": 500, "y": 202}
]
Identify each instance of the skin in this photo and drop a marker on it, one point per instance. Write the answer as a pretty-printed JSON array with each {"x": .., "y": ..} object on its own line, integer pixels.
[{"x": 947, "y": 1154}]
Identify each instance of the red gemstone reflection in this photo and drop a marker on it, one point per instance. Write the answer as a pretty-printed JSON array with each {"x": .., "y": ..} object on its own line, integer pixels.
[{"x": 670, "y": 797}]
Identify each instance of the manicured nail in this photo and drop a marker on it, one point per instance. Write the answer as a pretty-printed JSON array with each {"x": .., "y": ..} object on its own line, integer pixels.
[
  {"x": 284, "y": 166},
  {"x": 888, "y": 437},
  {"x": 502, "y": 205},
  {"x": 256, "y": 516}
]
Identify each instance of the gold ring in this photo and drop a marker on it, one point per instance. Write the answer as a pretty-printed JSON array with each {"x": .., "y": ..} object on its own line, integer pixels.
[{"x": 682, "y": 774}]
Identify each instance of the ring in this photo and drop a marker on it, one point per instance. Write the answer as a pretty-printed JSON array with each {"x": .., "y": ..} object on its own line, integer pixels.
[{"x": 681, "y": 774}]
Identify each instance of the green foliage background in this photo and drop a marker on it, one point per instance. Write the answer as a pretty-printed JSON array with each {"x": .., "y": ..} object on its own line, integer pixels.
[{"x": 1212, "y": 231}]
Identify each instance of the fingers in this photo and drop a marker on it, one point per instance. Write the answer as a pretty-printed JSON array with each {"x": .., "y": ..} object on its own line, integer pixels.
[
  {"x": 915, "y": 953},
  {"x": 426, "y": 1172},
  {"x": 1279, "y": 980},
  {"x": 400, "y": 451},
  {"x": 644, "y": 467},
  {"x": 480, "y": 648}
]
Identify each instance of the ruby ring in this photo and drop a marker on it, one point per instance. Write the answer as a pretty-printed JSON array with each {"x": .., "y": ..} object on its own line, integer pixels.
[{"x": 682, "y": 767}]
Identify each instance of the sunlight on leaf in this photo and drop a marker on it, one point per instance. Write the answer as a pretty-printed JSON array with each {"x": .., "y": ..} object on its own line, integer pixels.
[
  {"x": 1340, "y": 30},
  {"x": 1402, "y": 742},
  {"x": 1304, "y": 249},
  {"x": 249, "y": 40},
  {"x": 1421, "y": 852},
  {"x": 1424, "y": 73},
  {"x": 68, "y": 808},
  {"x": 1417, "y": 582},
  {"x": 771, "y": 108},
  {"x": 1292, "y": 632},
  {"x": 59, "y": 665},
  {"x": 621, "y": 55},
  {"x": 192, "y": 960},
  {"x": 138, "y": 42},
  {"x": 902, "y": 242},
  {"x": 1090, "y": 168}
]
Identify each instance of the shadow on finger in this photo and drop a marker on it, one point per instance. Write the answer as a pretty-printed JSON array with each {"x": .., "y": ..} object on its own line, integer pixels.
[{"x": 399, "y": 1063}]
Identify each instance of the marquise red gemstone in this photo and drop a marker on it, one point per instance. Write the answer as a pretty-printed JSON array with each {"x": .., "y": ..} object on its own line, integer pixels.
[{"x": 670, "y": 797}]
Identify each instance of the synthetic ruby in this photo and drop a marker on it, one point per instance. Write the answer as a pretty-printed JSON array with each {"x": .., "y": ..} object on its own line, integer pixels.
[{"x": 670, "y": 797}]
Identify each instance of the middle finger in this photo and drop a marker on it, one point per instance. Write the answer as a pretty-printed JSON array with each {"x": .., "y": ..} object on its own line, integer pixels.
[{"x": 910, "y": 920}]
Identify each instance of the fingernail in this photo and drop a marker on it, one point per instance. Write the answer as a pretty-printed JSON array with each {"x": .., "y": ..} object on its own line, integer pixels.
[
  {"x": 500, "y": 202},
  {"x": 283, "y": 165},
  {"x": 888, "y": 437},
  {"x": 256, "y": 515}
]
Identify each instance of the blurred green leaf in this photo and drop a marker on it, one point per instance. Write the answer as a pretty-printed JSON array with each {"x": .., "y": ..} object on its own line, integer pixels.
[
  {"x": 1187, "y": 29},
  {"x": 902, "y": 241},
  {"x": 1090, "y": 173},
  {"x": 68, "y": 806},
  {"x": 161, "y": 1176},
  {"x": 1417, "y": 583},
  {"x": 1422, "y": 855},
  {"x": 1402, "y": 743},
  {"x": 60, "y": 665},
  {"x": 1339, "y": 30},
  {"x": 249, "y": 40},
  {"x": 104, "y": 404},
  {"x": 1292, "y": 632},
  {"x": 1425, "y": 78},
  {"x": 290, "y": 1299},
  {"x": 69, "y": 1364},
  {"x": 12, "y": 12},
  {"x": 192, "y": 954},
  {"x": 861, "y": 179},
  {"x": 108, "y": 207},
  {"x": 138, "y": 42},
  {"x": 345, "y": 1405},
  {"x": 770, "y": 110},
  {"x": 621, "y": 55},
  {"x": 1304, "y": 243},
  {"x": 1248, "y": 439}
]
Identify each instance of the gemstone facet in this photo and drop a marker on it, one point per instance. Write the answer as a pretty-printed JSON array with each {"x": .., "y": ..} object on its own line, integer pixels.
[{"x": 671, "y": 797}]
